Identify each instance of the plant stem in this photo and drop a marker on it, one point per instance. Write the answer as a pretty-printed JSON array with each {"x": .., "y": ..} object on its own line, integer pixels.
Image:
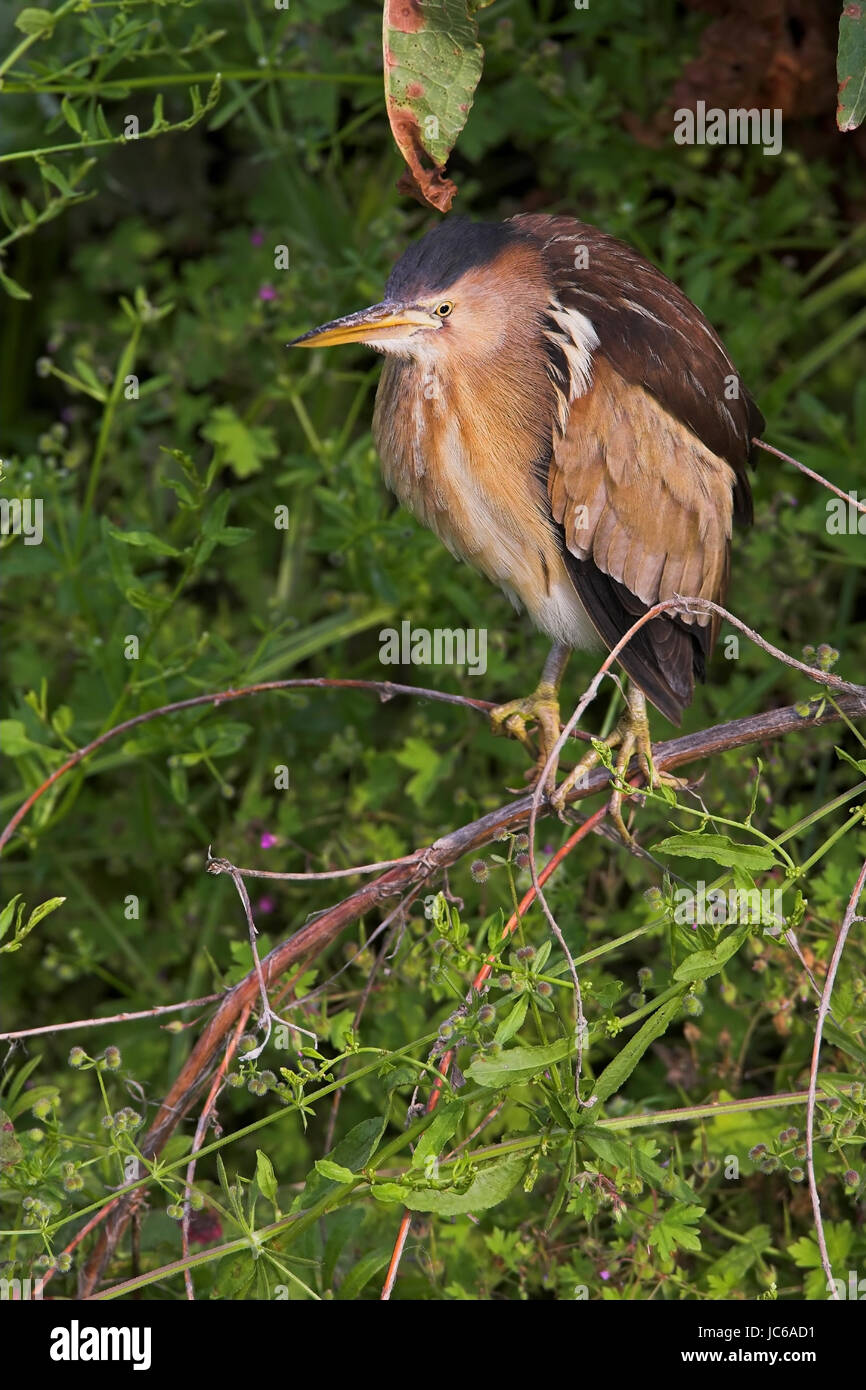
[
  {"x": 185, "y": 79},
  {"x": 124, "y": 368}
]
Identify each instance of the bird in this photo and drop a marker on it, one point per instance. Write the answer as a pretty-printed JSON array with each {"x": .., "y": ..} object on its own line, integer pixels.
[{"x": 568, "y": 422}]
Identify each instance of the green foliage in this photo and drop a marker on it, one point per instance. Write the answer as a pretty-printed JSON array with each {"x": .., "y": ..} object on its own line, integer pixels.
[
  {"x": 214, "y": 518},
  {"x": 851, "y": 67}
]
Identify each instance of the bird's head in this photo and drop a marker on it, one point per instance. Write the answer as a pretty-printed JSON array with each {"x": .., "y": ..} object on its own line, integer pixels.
[{"x": 460, "y": 293}]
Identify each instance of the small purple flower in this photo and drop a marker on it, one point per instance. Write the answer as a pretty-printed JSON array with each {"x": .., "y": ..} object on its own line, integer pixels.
[
  {"x": 268, "y": 841},
  {"x": 605, "y": 1274},
  {"x": 257, "y": 237},
  {"x": 265, "y": 905},
  {"x": 267, "y": 292}
]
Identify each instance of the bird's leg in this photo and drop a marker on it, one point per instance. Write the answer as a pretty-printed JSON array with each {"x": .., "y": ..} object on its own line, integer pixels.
[
  {"x": 631, "y": 735},
  {"x": 542, "y": 707}
]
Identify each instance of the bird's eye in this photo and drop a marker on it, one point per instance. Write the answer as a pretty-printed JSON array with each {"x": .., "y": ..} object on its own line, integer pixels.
[{"x": 443, "y": 310}]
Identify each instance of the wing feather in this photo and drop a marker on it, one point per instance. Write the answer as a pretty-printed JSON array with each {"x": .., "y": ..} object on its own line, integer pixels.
[{"x": 649, "y": 468}]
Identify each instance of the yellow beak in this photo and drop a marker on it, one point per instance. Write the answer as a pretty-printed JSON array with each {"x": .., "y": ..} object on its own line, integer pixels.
[{"x": 376, "y": 324}]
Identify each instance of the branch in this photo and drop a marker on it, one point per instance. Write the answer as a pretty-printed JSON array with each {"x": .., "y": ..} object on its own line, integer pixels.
[
  {"x": 816, "y": 477},
  {"x": 386, "y": 690},
  {"x": 678, "y": 604},
  {"x": 417, "y": 869}
]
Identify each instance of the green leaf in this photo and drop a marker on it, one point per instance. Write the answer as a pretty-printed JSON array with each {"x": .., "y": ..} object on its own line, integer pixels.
[
  {"x": 490, "y": 1186},
  {"x": 235, "y": 1275},
  {"x": 6, "y": 211},
  {"x": 342, "y": 1225},
  {"x": 145, "y": 601},
  {"x": 19, "y": 1078},
  {"x": 851, "y": 66},
  {"x": 541, "y": 956},
  {"x": 720, "y": 849},
  {"x": 839, "y": 1038},
  {"x": 15, "y": 740},
  {"x": 335, "y": 1172},
  {"x": 433, "y": 62},
  {"x": 728, "y": 1272},
  {"x": 519, "y": 1063},
  {"x": 494, "y": 932},
  {"x": 33, "y": 21},
  {"x": 624, "y": 1063},
  {"x": 234, "y": 535},
  {"x": 429, "y": 766},
  {"x": 437, "y": 1134},
  {"x": 266, "y": 1177},
  {"x": 700, "y": 965},
  {"x": 62, "y": 719},
  {"x": 12, "y": 287},
  {"x": 8, "y": 913},
  {"x": 389, "y": 1191},
  {"x": 43, "y": 910},
  {"x": 839, "y": 1236},
  {"x": 70, "y": 115},
  {"x": 630, "y": 1158},
  {"x": 674, "y": 1230},
  {"x": 32, "y": 1097},
  {"x": 361, "y": 1273},
  {"x": 513, "y": 1023},
  {"x": 244, "y": 447},
  {"x": 349, "y": 1156},
  {"x": 88, "y": 376},
  {"x": 859, "y": 764},
  {"x": 146, "y": 540}
]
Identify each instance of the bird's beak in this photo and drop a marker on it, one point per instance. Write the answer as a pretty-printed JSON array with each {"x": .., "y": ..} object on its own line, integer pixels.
[{"x": 375, "y": 325}]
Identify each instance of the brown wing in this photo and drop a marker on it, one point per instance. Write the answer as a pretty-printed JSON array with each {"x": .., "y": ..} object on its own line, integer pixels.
[{"x": 649, "y": 467}]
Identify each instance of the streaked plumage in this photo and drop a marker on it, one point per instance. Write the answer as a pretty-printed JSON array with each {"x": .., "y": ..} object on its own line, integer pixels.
[{"x": 568, "y": 422}]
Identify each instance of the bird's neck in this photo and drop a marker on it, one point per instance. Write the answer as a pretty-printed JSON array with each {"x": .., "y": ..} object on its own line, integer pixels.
[
  {"x": 497, "y": 410},
  {"x": 464, "y": 446}
]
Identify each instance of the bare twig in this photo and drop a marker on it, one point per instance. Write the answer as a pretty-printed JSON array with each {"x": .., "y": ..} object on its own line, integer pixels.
[
  {"x": 82, "y": 1023},
  {"x": 267, "y": 1016},
  {"x": 386, "y": 690},
  {"x": 224, "y": 866},
  {"x": 816, "y": 477}
]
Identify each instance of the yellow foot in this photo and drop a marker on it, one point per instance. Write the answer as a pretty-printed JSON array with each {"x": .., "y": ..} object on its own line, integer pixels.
[
  {"x": 630, "y": 736},
  {"x": 542, "y": 709}
]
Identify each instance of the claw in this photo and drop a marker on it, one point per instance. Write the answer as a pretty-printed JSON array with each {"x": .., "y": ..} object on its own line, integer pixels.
[
  {"x": 630, "y": 736},
  {"x": 541, "y": 708}
]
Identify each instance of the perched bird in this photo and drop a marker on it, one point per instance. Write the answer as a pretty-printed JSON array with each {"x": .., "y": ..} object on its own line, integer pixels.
[{"x": 569, "y": 423}]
